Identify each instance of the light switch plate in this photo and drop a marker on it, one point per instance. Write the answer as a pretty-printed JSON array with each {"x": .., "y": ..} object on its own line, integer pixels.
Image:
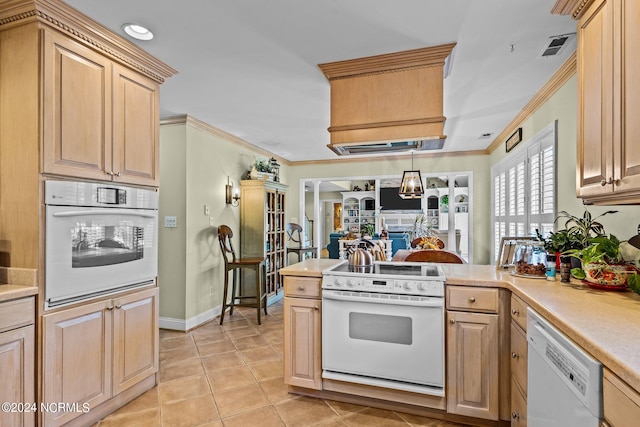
[{"x": 170, "y": 222}]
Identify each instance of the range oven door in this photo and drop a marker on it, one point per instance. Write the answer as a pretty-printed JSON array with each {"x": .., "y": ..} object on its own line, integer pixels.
[
  {"x": 94, "y": 251},
  {"x": 392, "y": 341}
]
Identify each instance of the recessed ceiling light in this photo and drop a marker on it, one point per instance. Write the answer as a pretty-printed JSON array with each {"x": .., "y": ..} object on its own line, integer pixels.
[{"x": 137, "y": 31}]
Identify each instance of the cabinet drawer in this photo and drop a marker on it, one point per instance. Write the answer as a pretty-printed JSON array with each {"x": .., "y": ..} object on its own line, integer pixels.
[
  {"x": 305, "y": 287},
  {"x": 621, "y": 402},
  {"x": 17, "y": 313},
  {"x": 518, "y": 356},
  {"x": 519, "y": 312},
  {"x": 518, "y": 406},
  {"x": 472, "y": 299}
]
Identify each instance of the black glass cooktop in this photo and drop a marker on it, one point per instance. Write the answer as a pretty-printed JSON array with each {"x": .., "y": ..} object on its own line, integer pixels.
[{"x": 389, "y": 269}]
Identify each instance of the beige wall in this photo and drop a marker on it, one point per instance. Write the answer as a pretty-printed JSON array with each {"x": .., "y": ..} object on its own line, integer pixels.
[
  {"x": 195, "y": 163},
  {"x": 562, "y": 107}
]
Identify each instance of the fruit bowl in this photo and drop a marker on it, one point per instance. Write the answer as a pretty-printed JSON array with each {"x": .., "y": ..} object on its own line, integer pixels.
[{"x": 607, "y": 274}]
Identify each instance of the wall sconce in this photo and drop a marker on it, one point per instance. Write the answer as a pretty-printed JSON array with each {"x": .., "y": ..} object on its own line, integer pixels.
[{"x": 231, "y": 196}]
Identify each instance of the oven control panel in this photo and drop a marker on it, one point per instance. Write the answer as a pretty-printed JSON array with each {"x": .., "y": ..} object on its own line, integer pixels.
[{"x": 433, "y": 288}]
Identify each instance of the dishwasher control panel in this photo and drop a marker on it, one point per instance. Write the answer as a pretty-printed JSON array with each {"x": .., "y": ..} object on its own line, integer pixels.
[{"x": 567, "y": 368}]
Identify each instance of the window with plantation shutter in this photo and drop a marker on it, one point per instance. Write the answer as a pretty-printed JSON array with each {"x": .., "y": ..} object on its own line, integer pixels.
[{"x": 524, "y": 189}]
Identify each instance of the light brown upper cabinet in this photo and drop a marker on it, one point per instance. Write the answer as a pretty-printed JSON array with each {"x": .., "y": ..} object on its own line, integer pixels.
[
  {"x": 608, "y": 61},
  {"x": 100, "y": 119}
]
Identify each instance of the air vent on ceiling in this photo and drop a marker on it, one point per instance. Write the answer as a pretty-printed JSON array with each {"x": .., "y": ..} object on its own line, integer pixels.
[
  {"x": 554, "y": 45},
  {"x": 486, "y": 135}
]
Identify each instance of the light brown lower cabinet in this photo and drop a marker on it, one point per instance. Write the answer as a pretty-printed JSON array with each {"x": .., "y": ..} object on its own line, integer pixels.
[
  {"x": 518, "y": 406},
  {"x": 473, "y": 364},
  {"x": 96, "y": 351},
  {"x": 621, "y": 403},
  {"x": 302, "y": 332},
  {"x": 17, "y": 361}
]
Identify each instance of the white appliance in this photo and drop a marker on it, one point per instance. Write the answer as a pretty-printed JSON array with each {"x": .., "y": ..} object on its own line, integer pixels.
[
  {"x": 100, "y": 238},
  {"x": 383, "y": 326},
  {"x": 564, "y": 383}
]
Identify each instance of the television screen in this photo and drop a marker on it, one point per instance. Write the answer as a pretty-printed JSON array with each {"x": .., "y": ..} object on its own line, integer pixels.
[{"x": 391, "y": 201}]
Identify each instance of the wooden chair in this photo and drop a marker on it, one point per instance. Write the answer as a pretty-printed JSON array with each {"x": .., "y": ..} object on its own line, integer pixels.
[
  {"x": 294, "y": 233},
  {"x": 236, "y": 264},
  {"x": 434, "y": 255}
]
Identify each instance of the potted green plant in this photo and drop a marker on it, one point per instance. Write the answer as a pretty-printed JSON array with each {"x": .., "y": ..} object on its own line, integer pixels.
[
  {"x": 583, "y": 228},
  {"x": 368, "y": 230},
  {"x": 602, "y": 262}
]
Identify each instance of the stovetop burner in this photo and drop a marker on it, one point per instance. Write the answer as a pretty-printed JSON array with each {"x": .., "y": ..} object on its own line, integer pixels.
[
  {"x": 390, "y": 269},
  {"x": 386, "y": 277}
]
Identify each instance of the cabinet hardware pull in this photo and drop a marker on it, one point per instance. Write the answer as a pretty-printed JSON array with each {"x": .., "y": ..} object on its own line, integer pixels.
[
  {"x": 117, "y": 174},
  {"x": 514, "y": 355},
  {"x": 110, "y": 307},
  {"x": 515, "y": 312},
  {"x": 111, "y": 173},
  {"x": 301, "y": 288},
  {"x": 472, "y": 299},
  {"x": 610, "y": 181},
  {"x": 119, "y": 306},
  {"x": 316, "y": 308},
  {"x": 452, "y": 321},
  {"x": 515, "y": 415}
]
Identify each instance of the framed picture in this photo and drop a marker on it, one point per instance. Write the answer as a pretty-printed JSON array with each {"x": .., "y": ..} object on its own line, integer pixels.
[{"x": 514, "y": 139}]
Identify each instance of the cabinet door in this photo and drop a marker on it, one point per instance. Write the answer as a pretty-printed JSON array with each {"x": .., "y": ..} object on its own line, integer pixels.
[
  {"x": 626, "y": 153},
  {"x": 135, "y": 128},
  {"x": 16, "y": 376},
  {"x": 595, "y": 87},
  {"x": 302, "y": 360},
  {"x": 472, "y": 359},
  {"x": 76, "y": 359},
  {"x": 77, "y": 110},
  {"x": 135, "y": 338}
]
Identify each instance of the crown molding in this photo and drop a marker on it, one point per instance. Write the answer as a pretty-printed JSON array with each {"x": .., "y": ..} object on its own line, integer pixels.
[
  {"x": 397, "y": 61},
  {"x": 185, "y": 119},
  {"x": 79, "y": 27},
  {"x": 575, "y": 8},
  {"x": 564, "y": 73}
]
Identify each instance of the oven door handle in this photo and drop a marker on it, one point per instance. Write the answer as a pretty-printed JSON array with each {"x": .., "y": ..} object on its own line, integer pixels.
[
  {"x": 103, "y": 212},
  {"x": 427, "y": 302}
]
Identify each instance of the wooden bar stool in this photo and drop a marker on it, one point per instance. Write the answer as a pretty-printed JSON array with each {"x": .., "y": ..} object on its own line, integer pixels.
[
  {"x": 236, "y": 264},
  {"x": 298, "y": 247}
]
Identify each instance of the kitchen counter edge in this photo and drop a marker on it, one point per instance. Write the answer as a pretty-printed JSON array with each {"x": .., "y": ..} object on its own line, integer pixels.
[{"x": 17, "y": 283}]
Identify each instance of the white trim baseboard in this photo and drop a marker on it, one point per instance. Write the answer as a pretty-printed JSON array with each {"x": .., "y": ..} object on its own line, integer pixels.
[
  {"x": 188, "y": 324},
  {"x": 204, "y": 317}
]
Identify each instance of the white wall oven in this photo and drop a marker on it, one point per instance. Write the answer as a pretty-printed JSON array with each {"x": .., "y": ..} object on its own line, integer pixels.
[
  {"x": 100, "y": 238},
  {"x": 383, "y": 326}
]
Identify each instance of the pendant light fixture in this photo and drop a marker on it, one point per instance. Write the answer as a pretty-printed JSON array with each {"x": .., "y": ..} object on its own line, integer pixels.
[{"x": 411, "y": 185}]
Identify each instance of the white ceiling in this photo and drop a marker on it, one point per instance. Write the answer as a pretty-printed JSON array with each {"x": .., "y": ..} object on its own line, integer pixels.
[{"x": 249, "y": 67}]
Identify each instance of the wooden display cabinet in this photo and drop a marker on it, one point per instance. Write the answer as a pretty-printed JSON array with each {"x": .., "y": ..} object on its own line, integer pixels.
[{"x": 263, "y": 230}]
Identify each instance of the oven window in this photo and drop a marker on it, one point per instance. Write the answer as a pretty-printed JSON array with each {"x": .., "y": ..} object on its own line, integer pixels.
[
  {"x": 98, "y": 245},
  {"x": 382, "y": 328}
]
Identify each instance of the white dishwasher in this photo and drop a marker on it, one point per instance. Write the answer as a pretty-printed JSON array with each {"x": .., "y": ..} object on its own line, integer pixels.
[{"x": 564, "y": 383}]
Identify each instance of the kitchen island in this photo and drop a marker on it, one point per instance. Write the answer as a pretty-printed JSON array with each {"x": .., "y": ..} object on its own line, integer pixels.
[{"x": 601, "y": 322}]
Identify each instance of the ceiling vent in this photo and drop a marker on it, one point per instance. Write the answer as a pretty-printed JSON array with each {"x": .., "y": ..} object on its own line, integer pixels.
[
  {"x": 388, "y": 103},
  {"x": 555, "y": 45}
]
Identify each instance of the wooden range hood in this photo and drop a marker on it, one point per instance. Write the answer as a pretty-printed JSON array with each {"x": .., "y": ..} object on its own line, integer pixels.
[{"x": 388, "y": 103}]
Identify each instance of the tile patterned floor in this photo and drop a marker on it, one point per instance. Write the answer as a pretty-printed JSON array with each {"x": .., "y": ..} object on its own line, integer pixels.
[{"x": 231, "y": 376}]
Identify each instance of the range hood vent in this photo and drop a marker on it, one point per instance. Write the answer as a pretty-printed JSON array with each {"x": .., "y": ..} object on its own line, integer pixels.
[
  {"x": 387, "y": 147},
  {"x": 388, "y": 103}
]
